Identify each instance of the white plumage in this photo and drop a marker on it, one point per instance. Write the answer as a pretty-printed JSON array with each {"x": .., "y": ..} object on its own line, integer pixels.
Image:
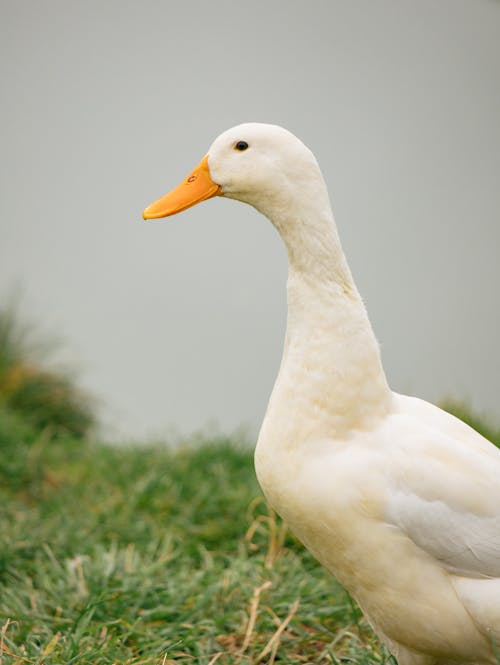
[{"x": 397, "y": 498}]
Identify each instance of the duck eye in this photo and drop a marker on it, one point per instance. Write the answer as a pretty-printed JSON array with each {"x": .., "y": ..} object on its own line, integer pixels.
[{"x": 241, "y": 145}]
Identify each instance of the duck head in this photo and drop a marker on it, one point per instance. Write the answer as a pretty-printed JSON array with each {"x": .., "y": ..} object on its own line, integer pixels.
[{"x": 263, "y": 165}]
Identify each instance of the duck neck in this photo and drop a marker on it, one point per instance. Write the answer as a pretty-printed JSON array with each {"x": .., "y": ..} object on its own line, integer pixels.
[{"x": 331, "y": 379}]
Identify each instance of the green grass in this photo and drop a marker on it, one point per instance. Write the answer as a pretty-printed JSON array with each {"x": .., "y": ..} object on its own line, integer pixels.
[{"x": 147, "y": 555}]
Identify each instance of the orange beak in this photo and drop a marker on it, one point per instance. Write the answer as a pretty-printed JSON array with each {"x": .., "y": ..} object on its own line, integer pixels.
[{"x": 197, "y": 187}]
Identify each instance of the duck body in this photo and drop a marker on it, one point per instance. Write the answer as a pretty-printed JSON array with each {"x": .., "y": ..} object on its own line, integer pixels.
[
  {"x": 395, "y": 497},
  {"x": 360, "y": 517},
  {"x": 372, "y": 482}
]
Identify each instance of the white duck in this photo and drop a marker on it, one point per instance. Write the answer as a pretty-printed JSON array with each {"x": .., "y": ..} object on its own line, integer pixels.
[{"x": 397, "y": 498}]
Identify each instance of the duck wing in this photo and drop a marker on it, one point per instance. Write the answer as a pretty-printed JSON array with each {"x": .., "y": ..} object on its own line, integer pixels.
[{"x": 445, "y": 491}]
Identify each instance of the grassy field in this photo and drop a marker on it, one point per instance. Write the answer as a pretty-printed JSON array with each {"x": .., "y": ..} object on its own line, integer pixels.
[{"x": 147, "y": 555}]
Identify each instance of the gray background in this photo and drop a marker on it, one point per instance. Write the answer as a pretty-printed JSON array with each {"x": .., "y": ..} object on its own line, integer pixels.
[{"x": 175, "y": 325}]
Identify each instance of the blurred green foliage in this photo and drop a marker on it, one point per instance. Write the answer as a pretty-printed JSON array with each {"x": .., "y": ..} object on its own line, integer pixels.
[
  {"x": 481, "y": 424},
  {"x": 44, "y": 398}
]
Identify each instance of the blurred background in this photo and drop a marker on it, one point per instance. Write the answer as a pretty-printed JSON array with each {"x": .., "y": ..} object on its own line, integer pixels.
[{"x": 177, "y": 326}]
